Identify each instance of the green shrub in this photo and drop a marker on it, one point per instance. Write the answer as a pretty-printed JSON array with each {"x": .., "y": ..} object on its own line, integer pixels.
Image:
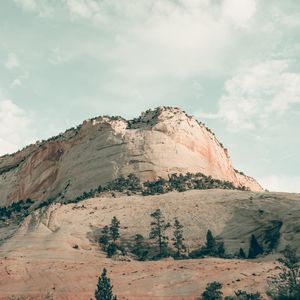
[
  {"x": 213, "y": 291},
  {"x": 242, "y": 295},
  {"x": 140, "y": 248}
]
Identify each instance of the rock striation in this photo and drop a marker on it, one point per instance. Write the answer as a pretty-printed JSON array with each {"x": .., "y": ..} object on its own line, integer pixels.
[{"x": 160, "y": 142}]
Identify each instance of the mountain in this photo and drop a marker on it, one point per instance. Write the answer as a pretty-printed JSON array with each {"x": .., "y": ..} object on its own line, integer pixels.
[
  {"x": 50, "y": 249},
  {"x": 158, "y": 143}
]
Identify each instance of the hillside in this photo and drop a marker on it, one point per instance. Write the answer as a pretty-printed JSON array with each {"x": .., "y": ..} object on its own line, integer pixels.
[
  {"x": 55, "y": 248},
  {"x": 158, "y": 143}
]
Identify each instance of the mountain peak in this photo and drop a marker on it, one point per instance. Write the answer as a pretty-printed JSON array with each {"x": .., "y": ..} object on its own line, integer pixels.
[{"x": 158, "y": 143}]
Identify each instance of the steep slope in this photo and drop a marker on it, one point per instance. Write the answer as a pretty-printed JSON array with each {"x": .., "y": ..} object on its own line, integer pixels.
[
  {"x": 41, "y": 256},
  {"x": 158, "y": 143}
]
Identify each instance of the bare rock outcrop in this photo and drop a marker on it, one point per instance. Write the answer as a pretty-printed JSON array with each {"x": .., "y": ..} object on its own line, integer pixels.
[{"x": 158, "y": 143}]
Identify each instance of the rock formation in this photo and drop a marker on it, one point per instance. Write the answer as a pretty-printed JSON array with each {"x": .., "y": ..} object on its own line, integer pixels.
[{"x": 158, "y": 143}]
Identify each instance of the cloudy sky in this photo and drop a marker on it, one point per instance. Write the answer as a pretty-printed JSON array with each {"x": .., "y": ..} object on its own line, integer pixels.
[{"x": 232, "y": 63}]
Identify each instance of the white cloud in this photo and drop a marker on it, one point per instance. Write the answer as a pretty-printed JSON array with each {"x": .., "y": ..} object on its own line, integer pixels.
[
  {"x": 15, "y": 127},
  {"x": 239, "y": 11},
  {"x": 27, "y": 5},
  {"x": 12, "y": 61},
  {"x": 83, "y": 8},
  {"x": 275, "y": 183},
  {"x": 257, "y": 93},
  {"x": 42, "y": 8},
  {"x": 176, "y": 40},
  {"x": 57, "y": 56},
  {"x": 16, "y": 82},
  {"x": 151, "y": 39}
]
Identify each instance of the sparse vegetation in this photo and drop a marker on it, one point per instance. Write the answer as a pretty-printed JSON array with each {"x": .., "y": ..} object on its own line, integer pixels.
[
  {"x": 286, "y": 286},
  {"x": 211, "y": 248},
  {"x": 243, "y": 295},
  {"x": 125, "y": 185},
  {"x": 132, "y": 185},
  {"x": 213, "y": 291},
  {"x": 15, "y": 212}
]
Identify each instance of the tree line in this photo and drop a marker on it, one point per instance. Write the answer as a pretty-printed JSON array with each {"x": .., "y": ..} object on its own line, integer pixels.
[
  {"x": 285, "y": 286},
  {"x": 142, "y": 249}
]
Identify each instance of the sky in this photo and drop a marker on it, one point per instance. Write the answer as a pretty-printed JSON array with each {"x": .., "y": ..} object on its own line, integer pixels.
[{"x": 234, "y": 64}]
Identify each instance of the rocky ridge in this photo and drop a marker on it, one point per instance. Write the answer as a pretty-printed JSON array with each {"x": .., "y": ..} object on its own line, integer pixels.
[{"x": 159, "y": 143}]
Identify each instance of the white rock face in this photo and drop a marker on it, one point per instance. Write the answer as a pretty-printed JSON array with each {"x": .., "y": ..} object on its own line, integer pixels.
[{"x": 160, "y": 142}]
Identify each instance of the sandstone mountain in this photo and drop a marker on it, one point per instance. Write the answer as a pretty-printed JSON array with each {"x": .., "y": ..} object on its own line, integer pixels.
[
  {"x": 158, "y": 143},
  {"x": 52, "y": 248}
]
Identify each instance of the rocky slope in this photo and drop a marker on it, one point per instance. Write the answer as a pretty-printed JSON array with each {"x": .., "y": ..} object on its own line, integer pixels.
[
  {"x": 55, "y": 248},
  {"x": 158, "y": 143}
]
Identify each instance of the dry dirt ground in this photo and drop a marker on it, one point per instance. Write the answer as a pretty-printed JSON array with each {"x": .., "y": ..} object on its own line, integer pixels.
[{"x": 40, "y": 257}]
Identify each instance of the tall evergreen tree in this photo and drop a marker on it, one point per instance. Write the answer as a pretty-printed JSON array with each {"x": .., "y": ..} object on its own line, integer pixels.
[
  {"x": 104, "y": 288},
  {"x": 158, "y": 231},
  {"x": 210, "y": 242},
  {"x": 114, "y": 229},
  {"x": 178, "y": 239},
  {"x": 255, "y": 248}
]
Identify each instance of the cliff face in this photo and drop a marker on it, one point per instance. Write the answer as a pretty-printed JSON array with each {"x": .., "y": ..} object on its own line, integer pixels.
[{"x": 158, "y": 143}]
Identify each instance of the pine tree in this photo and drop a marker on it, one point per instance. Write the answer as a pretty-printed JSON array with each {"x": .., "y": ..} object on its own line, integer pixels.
[
  {"x": 255, "y": 248},
  {"x": 158, "y": 231},
  {"x": 105, "y": 237},
  {"x": 104, "y": 288},
  {"x": 212, "y": 291},
  {"x": 114, "y": 229},
  {"x": 178, "y": 239},
  {"x": 242, "y": 253},
  {"x": 210, "y": 243}
]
